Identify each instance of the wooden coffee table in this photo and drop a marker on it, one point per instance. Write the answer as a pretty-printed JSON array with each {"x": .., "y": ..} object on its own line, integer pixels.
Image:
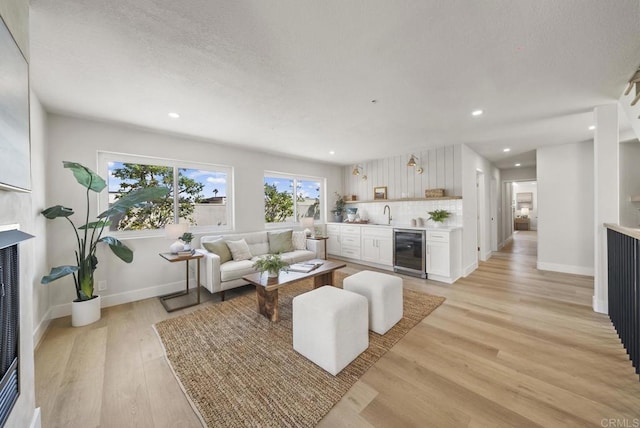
[{"x": 267, "y": 288}]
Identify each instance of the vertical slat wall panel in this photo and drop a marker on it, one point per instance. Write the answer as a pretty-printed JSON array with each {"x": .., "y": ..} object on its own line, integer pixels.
[
  {"x": 442, "y": 169},
  {"x": 623, "y": 255},
  {"x": 440, "y": 166}
]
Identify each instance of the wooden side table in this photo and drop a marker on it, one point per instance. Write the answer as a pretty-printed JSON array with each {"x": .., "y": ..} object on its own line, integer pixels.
[
  {"x": 521, "y": 223},
  {"x": 173, "y": 258},
  {"x": 324, "y": 242}
]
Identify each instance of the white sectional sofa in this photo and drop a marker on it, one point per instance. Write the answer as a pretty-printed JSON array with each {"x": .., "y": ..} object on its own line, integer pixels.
[{"x": 218, "y": 275}]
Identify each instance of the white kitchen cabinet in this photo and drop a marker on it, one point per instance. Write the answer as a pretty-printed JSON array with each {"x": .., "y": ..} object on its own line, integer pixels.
[
  {"x": 373, "y": 245},
  {"x": 350, "y": 241},
  {"x": 443, "y": 255},
  {"x": 333, "y": 243},
  {"x": 344, "y": 240},
  {"x": 377, "y": 245}
]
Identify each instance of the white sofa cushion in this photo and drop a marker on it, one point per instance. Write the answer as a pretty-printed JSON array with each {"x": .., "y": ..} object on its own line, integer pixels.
[
  {"x": 299, "y": 239},
  {"x": 236, "y": 269},
  {"x": 298, "y": 256},
  {"x": 220, "y": 248},
  {"x": 280, "y": 241},
  {"x": 239, "y": 250}
]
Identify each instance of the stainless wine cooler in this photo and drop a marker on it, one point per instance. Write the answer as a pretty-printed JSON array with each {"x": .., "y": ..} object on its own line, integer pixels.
[{"x": 409, "y": 248}]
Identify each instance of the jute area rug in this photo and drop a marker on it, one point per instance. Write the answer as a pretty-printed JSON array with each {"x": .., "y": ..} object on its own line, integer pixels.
[{"x": 238, "y": 369}]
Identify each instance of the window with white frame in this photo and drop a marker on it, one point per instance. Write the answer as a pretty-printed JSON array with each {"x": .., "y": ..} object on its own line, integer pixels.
[
  {"x": 289, "y": 198},
  {"x": 199, "y": 194}
]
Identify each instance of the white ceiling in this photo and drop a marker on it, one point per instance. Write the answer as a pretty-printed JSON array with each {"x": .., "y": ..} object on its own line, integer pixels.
[{"x": 299, "y": 77}]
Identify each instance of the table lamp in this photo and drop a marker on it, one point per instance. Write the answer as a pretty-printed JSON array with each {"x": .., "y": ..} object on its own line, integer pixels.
[
  {"x": 307, "y": 224},
  {"x": 175, "y": 231},
  {"x": 524, "y": 212}
]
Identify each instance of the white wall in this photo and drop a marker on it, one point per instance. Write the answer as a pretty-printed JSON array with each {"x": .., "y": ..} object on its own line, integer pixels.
[
  {"x": 565, "y": 208},
  {"x": 472, "y": 163},
  {"x": 41, "y": 302},
  {"x": 518, "y": 174},
  {"x": 527, "y": 187},
  {"x": 22, "y": 208},
  {"x": 629, "y": 183},
  {"x": 79, "y": 140}
]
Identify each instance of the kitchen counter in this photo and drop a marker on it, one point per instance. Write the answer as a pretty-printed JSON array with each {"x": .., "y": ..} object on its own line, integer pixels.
[{"x": 399, "y": 226}]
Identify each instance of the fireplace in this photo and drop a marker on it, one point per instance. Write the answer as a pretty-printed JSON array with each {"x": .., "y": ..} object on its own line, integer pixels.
[{"x": 9, "y": 320}]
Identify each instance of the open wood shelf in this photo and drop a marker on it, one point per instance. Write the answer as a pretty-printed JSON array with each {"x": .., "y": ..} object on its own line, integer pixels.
[{"x": 441, "y": 198}]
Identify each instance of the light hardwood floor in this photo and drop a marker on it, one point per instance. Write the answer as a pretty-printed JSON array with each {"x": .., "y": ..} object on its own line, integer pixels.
[{"x": 511, "y": 346}]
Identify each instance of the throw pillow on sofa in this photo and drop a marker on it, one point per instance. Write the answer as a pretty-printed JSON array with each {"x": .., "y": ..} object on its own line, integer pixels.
[
  {"x": 239, "y": 250},
  {"x": 280, "y": 242},
  {"x": 299, "y": 239},
  {"x": 220, "y": 248}
]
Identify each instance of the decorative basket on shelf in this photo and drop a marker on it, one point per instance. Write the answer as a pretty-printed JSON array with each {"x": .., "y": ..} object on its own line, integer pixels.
[{"x": 433, "y": 193}]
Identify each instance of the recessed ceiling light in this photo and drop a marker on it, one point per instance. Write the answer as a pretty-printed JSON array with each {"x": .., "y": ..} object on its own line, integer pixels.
[
  {"x": 517, "y": 164},
  {"x": 174, "y": 115},
  {"x": 592, "y": 127},
  {"x": 332, "y": 152},
  {"x": 506, "y": 150},
  {"x": 476, "y": 113}
]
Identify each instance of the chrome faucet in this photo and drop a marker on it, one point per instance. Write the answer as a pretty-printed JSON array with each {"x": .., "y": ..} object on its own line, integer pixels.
[{"x": 389, "y": 218}]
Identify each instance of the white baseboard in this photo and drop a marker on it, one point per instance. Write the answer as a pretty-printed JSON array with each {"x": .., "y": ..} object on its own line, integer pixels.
[
  {"x": 445, "y": 279},
  {"x": 487, "y": 255},
  {"x": 576, "y": 270},
  {"x": 35, "y": 421},
  {"x": 39, "y": 331},
  {"x": 469, "y": 269},
  {"x": 64, "y": 310},
  {"x": 600, "y": 306}
]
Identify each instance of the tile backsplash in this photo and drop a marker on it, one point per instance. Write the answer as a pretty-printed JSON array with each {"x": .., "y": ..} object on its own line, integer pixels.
[{"x": 402, "y": 212}]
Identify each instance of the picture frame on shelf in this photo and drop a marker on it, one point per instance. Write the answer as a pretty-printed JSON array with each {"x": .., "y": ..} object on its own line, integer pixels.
[{"x": 380, "y": 193}]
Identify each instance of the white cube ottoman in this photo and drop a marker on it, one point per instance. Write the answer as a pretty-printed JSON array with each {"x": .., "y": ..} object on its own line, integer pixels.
[
  {"x": 384, "y": 293},
  {"x": 330, "y": 327}
]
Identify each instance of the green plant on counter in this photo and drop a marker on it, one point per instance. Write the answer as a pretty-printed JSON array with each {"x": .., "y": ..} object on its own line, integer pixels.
[
  {"x": 439, "y": 215},
  {"x": 89, "y": 235}
]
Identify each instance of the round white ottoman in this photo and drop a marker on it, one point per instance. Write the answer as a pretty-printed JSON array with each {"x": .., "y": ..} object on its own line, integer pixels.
[
  {"x": 384, "y": 294},
  {"x": 330, "y": 327}
]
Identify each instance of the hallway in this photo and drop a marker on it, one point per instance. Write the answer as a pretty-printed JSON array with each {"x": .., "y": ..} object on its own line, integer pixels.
[{"x": 523, "y": 242}]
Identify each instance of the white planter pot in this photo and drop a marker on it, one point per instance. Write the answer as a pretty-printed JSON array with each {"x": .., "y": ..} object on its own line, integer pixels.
[
  {"x": 85, "y": 312},
  {"x": 273, "y": 274}
]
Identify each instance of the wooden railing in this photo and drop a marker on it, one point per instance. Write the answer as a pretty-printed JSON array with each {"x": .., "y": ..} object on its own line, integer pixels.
[{"x": 623, "y": 253}]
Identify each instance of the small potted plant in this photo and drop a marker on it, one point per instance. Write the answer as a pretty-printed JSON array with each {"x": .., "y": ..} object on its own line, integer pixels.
[
  {"x": 187, "y": 237},
  {"x": 272, "y": 264},
  {"x": 338, "y": 208},
  {"x": 438, "y": 217}
]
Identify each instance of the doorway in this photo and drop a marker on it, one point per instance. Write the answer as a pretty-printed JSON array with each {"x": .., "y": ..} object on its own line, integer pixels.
[{"x": 524, "y": 203}]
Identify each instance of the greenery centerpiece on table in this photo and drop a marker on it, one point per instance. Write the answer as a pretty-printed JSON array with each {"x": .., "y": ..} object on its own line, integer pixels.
[
  {"x": 439, "y": 216},
  {"x": 89, "y": 234},
  {"x": 271, "y": 263}
]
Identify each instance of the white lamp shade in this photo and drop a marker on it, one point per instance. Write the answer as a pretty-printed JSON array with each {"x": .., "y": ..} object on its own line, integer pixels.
[
  {"x": 307, "y": 224},
  {"x": 524, "y": 211},
  {"x": 175, "y": 231}
]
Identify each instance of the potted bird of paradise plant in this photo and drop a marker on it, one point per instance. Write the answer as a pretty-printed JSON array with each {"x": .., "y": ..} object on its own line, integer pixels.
[{"x": 86, "y": 307}]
